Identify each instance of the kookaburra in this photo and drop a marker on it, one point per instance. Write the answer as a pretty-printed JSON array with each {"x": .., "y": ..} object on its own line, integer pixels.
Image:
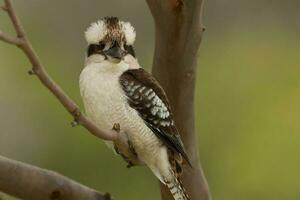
[{"x": 116, "y": 90}]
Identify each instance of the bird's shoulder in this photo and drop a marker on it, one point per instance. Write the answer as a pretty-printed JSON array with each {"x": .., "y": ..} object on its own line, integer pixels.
[{"x": 147, "y": 97}]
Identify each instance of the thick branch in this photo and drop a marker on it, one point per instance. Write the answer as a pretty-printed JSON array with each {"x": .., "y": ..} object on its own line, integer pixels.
[
  {"x": 37, "y": 68},
  {"x": 29, "y": 182},
  {"x": 178, "y": 35}
]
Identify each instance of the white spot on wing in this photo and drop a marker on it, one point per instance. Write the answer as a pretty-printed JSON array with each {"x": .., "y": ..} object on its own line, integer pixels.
[
  {"x": 155, "y": 100},
  {"x": 154, "y": 110},
  {"x": 160, "y": 103},
  {"x": 163, "y": 114},
  {"x": 135, "y": 87},
  {"x": 148, "y": 105},
  {"x": 142, "y": 89},
  {"x": 151, "y": 96},
  {"x": 148, "y": 92},
  {"x": 165, "y": 123}
]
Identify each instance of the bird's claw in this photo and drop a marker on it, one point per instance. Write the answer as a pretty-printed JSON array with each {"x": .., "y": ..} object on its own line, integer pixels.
[
  {"x": 116, "y": 127},
  {"x": 131, "y": 148}
]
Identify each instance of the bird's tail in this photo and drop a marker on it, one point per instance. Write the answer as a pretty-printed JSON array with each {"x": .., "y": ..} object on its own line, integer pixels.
[{"x": 177, "y": 190}]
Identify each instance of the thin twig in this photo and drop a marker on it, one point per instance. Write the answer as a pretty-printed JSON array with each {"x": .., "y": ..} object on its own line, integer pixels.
[
  {"x": 14, "y": 19},
  {"x": 9, "y": 39},
  {"x": 37, "y": 68}
]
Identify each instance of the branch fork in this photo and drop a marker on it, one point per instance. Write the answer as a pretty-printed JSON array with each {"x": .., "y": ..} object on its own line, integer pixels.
[
  {"x": 19, "y": 179},
  {"x": 24, "y": 44},
  {"x": 180, "y": 29}
]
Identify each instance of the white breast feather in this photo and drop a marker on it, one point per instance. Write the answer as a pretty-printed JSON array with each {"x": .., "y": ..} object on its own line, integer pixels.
[{"x": 105, "y": 103}]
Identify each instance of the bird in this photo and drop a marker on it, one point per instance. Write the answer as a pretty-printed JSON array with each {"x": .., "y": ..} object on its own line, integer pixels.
[{"x": 117, "y": 92}]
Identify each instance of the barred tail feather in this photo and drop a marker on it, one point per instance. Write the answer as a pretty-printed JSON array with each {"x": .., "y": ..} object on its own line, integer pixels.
[{"x": 177, "y": 190}]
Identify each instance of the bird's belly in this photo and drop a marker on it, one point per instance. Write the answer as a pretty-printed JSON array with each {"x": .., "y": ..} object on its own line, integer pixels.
[
  {"x": 106, "y": 105},
  {"x": 102, "y": 98}
]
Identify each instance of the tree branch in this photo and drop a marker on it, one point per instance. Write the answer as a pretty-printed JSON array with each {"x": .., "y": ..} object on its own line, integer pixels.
[
  {"x": 29, "y": 182},
  {"x": 177, "y": 38},
  {"x": 37, "y": 68},
  {"x": 9, "y": 39},
  {"x": 14, "y": 19}
]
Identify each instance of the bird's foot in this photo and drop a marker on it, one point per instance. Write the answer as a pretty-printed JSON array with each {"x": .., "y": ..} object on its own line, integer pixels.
[
  {"x": 131, "y": 148},
  {"x": 129, "y": 163},
  {"x": 116, "y": 127},
  {"x": 125, "y": 158}
]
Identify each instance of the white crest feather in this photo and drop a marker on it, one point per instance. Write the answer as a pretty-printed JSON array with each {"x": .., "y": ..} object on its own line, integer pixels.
[
  {"x": 95, "y": 32},
  {"x": 129, "y": 32}
]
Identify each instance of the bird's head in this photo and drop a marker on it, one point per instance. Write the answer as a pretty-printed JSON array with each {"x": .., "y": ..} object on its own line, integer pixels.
[{"x": 110, "y": 38}]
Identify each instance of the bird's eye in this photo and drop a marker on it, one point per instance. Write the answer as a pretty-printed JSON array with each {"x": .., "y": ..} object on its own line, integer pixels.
[
  {"x": 101, "y": 46},
  {"x": 129, "y": 49},
  {"x": 95, "y": 48}
]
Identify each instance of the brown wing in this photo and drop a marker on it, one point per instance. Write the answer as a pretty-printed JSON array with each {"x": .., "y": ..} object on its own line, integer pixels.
[{"x": 148, "y": 98}]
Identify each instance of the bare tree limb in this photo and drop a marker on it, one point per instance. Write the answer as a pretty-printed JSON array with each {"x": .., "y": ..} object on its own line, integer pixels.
[
  {"x": 29, "y": 182},
  {"x": 9, "y": 39},
  {"x": 14, "y": 19},
  {"x": 177, "y": 38},
  {"x": 37, "y": 68}
]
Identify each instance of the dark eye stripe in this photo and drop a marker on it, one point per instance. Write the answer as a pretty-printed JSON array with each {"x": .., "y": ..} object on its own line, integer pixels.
[
  {"x": 129, "y": 49},
  {"x": 101, "y": 45},
  {"x": 95, "y": 49}
]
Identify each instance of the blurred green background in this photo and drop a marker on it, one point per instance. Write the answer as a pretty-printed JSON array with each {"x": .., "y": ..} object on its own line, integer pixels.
[{"x": 248, "y": 97}]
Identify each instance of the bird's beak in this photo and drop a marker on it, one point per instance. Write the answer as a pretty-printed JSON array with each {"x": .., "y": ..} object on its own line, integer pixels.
[{"x": 115, "y": 52}]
